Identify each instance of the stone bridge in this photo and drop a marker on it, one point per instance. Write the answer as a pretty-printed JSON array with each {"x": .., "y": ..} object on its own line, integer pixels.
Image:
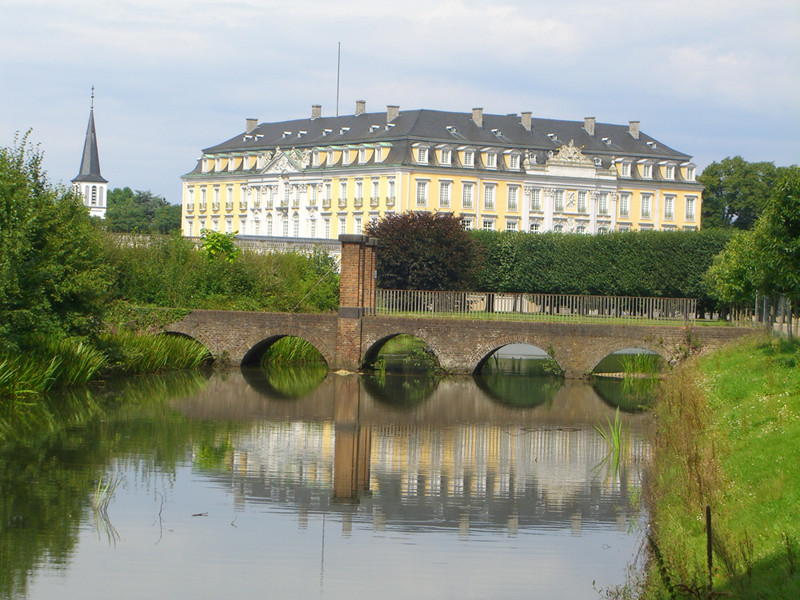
[{"x": 461, "y": 346}]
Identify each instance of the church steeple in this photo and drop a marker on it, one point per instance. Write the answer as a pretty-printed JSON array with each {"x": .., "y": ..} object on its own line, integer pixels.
[{"x": 89, "y": 183}]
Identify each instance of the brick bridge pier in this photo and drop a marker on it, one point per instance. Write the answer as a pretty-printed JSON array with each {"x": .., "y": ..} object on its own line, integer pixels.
[{"x": 352, "y": 337}]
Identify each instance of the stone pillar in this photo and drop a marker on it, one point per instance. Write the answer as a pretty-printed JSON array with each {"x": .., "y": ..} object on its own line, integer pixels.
[
  {"x": 352, "y": 443},
  {"x": 356, "y": 297}
]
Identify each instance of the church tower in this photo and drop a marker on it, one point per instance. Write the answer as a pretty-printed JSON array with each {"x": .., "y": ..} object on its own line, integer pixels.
[{"x": 89, "y": 183}]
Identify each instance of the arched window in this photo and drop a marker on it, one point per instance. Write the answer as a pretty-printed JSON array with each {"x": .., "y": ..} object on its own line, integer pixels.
[{"x": 94, "y": 195}]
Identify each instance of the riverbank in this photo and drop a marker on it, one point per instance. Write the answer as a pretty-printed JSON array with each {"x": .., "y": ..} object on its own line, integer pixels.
[{"x": 727, "y": 432}]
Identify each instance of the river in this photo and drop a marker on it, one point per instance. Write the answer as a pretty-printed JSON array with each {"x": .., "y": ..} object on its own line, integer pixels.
[{"x": 233, "y": 484}]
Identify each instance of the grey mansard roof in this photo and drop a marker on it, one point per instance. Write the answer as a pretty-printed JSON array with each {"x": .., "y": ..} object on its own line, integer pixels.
[
  {"x": 454, "y": 129},
  {"x": 90, "y": 161}
]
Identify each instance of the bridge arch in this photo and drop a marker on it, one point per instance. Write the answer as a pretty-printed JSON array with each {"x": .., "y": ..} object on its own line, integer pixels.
[
  {"x": 252, "y": 357},
  {"x": 595, "y": 358},
  {"x": 374, "y": 347},
  {"x": 483, "y": 352}
]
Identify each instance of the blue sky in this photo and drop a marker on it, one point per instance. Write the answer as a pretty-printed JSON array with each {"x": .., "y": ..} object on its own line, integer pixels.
[{"x": 711, "y": 78}]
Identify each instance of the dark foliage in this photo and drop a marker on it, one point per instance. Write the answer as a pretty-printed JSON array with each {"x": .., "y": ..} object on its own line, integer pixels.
[
  {"x": 140, "y": 212},
  {"x": 424, "y": 251}
]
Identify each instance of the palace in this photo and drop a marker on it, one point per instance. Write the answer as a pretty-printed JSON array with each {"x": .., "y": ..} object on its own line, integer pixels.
[{"x": 324, "y": 176}]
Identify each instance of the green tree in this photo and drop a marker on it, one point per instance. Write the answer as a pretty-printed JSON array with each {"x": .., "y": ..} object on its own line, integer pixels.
[
  {"x": 424, "y": 251},
  {"x": 735, "y": 192},
  {"x": 216, "y": 244},
  {"x": 140, "y": 212},
  {"x": 53, "y": 275}
]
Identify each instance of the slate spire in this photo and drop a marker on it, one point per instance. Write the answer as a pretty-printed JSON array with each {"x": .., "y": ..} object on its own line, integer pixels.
[{"x": 90, "y": 162}]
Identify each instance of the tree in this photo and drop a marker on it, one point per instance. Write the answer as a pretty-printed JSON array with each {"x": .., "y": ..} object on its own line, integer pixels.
[
  {"x": 424, "y": 251},
  {"x": 53, "y": 275},
  {"x": 140, "y": 212},
  {"x": 216, "y": 244},
  {"x": 735, "y": 192}
]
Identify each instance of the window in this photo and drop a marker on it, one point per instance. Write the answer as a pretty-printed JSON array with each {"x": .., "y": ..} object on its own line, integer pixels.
[
  {"x": 558, "y": 200},
  {"x": 513, "y": 198},
  {"x": 359, "y": 191},
  {"x": 287, "y": 194},
  {"x": 312, "y": 194},
  {"x": 581, "y": 229},
  {"x": 342, "y": 225},
  {"x": 312, "y": 228},
  {"x": 602, "y": 230},
  {"x": 626, "y": 169},
  {"x": 190, "y": 199},
  {"x": 558, "y": 228},
  {"x": 296, "y": 226},
  {"x": 467, "y": 196},
  {"x": 535, "y": 227},
  {"x": 647, "y": 171},
  {"x": 690, "y": 201},
  {"x": 228, "y": 226},
  {"x": 202, "y": 198},
  {"x": 376, "y": 191},
  {"x": 582, "y": 205},
  {"x": 315, "y": 158},
  {"x": 328, "y": 194},
  {"x": 488, "y": 225},
  {"x": 392, "y": 191},
  {"x": 511, "y": 226},
  {"x": 669, "y": 172},
  {"x": 343, "y": 193},
  {"x": 488, "y": 196},
  {"x": 446, "y": 156},
  {"x": 94, "y": 195},
  {"x": 422, "y": 193},
  {"x": 330, "y": 160},
  {"x": 602, "y": 203},
  {"x": 444, "y": 194},
  {"x": 689, "y": 173},
  {"x": 491, "y": 160},
  {"x": 536, "y": 199},
  {"x": 466, "y": 223},
  {"x": 624, "y": 205},
  {"x": 669, "y": 207},
  {"x": 469, "y": 158},
  {"x": 346, "y": 157},
  {"x": 378, "y": 154},
  {"x": 229, "y": 198},
  {"x": 513, "y": 161},
  {"x": 327, "y": 225},
  {"x": 215, "y": 224},
  {"x": 256, "y": 227},
  {"x": 358, "y": 225},
  {"x": 285, "y": 224},
  {"x": 362, "y": 156},
  {"x": 647, "y": 201},
  {"x": 422, "y": 156},
  {"x": 215, "y": 203},
  {"x": 269, "y": 224}
]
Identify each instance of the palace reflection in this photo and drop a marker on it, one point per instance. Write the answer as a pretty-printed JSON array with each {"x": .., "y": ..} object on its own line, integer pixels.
[{"x": 456, "y": 459}]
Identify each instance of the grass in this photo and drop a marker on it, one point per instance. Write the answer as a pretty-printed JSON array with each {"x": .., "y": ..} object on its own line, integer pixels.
[
  {"x": 292, "y": 350},
  {"x": 406, "y": 354},
  {"x": 728, "y": 430}
]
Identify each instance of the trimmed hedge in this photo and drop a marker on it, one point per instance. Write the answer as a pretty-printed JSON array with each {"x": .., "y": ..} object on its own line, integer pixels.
[{"x": 633, "y": 263}]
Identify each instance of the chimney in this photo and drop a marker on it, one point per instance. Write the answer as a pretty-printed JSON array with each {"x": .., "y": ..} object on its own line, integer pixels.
[
  {"x": 633, "y": 129},
  {"x": 250, "y": 124},
  {"x": 588, "y": 125},
  {"x": 316, "y": 111},
  {"x": 526, "y": 121},
  {"x": 361, "y": 107},
  {"x": 392, "y": 112},
  {"x": 477, "y": 116}
]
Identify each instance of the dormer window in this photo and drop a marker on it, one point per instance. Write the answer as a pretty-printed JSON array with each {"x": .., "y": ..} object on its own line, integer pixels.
[
  {"x": 422, "y": 156},
  {"x": 378, "y": 154},
  {"x": 491, "y": 160},
  {"x": 374, "y": 128},
  {"x": 513, "y": 161},
  {"x": 315, "y": 158},
  {"x": 450, "y": 129},
  {"x": 469, "y": 158},
  {"x": 647, "y": 170},
  {"x": 231, "y": 163},
  {"x": 218, "y": 164},
  {"x": 689, "y": 173},
  {"x": 497, "y": 132},
  {"x": 598, "y": 162},
  {"x": 625, "y": 169},
  {"x": 326, "y": 131},
  {"x": 362, "y": 156},
  {"x": 206, "y": 164},
  {"x": 344, "y": 130},
  {"x": 446, "y": 156},
  {"x": 346, "y": 158},
  {"x": 669, "y": 172},
  {"x": 330, "y": 159},
  {"x": 286, "y": 134}
]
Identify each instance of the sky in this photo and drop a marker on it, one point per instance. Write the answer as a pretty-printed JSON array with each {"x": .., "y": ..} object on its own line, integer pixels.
[{"x": 710, "y": 78}]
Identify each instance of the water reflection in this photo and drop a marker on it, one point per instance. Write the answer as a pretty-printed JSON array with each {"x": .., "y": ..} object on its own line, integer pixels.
[
  {"x": 446, "y": 459},
  {"x": 523, "y": 391}
]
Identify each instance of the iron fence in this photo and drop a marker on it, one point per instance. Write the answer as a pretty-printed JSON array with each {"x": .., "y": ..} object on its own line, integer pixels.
[{"x": 547, "y": 307}]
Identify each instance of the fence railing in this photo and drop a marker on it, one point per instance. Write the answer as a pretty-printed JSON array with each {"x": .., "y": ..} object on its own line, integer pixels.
[{"x": 545, "y": 307}]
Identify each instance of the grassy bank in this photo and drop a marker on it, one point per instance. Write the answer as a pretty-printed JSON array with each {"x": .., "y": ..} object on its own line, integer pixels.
[{"x": 728, "y": 431}]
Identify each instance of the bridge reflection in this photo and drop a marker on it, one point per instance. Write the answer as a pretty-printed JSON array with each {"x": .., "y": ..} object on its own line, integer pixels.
[{"x": 455, "y": 460}]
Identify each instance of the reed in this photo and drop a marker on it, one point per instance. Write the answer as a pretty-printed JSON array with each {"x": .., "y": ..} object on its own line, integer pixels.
[
  {"x": 134, "y": 354},
  {"x": 292, "y": 350},
  {"x": 640, "y": 364}
]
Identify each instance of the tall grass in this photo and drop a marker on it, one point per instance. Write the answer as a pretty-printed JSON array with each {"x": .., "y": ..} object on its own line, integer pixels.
[
  {"x": 134, "y": 354},
  {"x": 291, "y": 350},
  {"x": 640, "y": 364}
]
